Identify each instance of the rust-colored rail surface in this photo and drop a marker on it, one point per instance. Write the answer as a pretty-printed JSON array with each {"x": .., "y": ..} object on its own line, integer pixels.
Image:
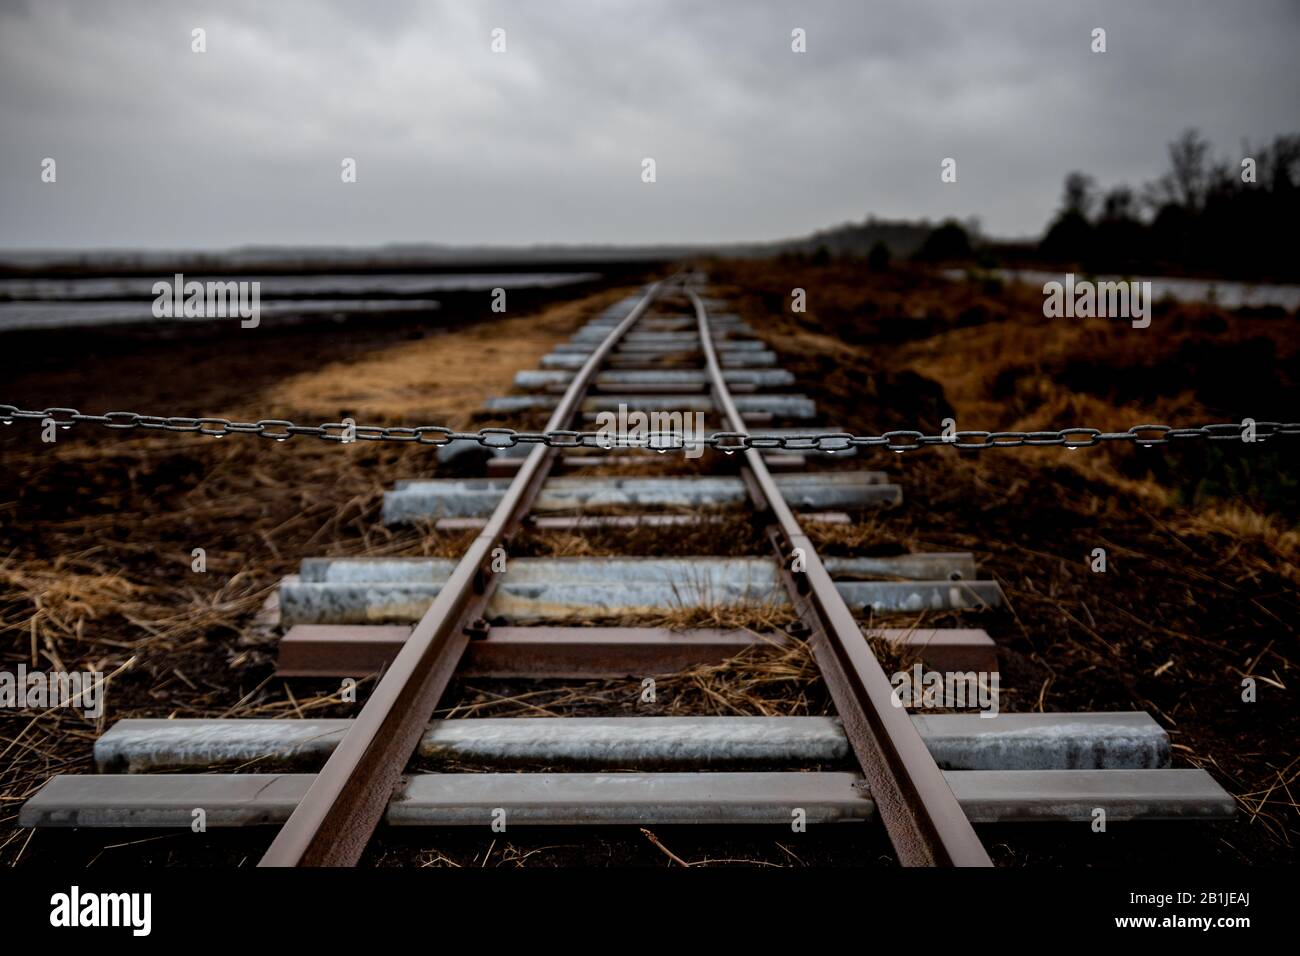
[
  {"x": 335, "y": 819},
  {"x": 925, "y": 823}
]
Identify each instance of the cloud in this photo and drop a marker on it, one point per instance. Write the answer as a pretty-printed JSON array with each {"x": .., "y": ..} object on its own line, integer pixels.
[{"x": 157, "y": 146}]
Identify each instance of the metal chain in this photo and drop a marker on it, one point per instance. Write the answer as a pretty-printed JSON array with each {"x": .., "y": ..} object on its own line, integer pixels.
[{"x": 277, "y": 429}]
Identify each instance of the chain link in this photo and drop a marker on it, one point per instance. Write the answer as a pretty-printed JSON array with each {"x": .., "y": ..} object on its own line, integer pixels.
[{"x": 276, "y": 429}]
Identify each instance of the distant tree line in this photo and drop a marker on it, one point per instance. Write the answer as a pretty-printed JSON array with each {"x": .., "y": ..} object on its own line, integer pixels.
[
  {"x": 881, "y": 241},
  {"x": 1204, "y": 215}
]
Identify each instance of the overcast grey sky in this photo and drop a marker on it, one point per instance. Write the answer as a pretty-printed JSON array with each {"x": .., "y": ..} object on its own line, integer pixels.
[{"x": 160, "y": 147}]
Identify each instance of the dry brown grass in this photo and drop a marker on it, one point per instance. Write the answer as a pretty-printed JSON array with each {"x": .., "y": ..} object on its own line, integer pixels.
[
  {"x": 442, "y": 379},
  {"x": 761, "y": 681},
  {"x": 96, "y": 535},
  {"x": 1201, "y": 586},
  {"x": 95, "y": 540}
]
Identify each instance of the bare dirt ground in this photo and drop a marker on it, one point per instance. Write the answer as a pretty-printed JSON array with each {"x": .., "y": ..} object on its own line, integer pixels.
[{"x": 96, "y": 535}]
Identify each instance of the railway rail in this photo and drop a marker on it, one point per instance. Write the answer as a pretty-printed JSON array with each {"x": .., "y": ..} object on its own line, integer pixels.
[{"x": 927, "y": 779}]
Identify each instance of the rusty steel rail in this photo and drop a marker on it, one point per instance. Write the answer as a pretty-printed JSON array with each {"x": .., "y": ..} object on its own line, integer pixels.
[
  {"x": 335, "y": 819},
  {"x": 922, "y": 817}
]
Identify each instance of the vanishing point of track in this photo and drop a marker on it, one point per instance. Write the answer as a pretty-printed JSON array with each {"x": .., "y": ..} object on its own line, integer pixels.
[{"x": 333, "y": 823}]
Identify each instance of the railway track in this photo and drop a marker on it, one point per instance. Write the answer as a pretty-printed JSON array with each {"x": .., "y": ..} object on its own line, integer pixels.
[{"x": 926, "y": 778}]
